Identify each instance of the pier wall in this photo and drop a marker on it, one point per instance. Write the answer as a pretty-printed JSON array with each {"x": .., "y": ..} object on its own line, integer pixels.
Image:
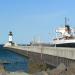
[{"x": 47, "y": 55}]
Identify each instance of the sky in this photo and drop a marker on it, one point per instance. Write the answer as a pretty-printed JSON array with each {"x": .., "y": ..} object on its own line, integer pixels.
[{"x": 34, "y": 19}]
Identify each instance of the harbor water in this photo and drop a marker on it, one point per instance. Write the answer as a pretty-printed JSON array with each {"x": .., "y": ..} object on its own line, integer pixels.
[{"x": 12, "y": 61}]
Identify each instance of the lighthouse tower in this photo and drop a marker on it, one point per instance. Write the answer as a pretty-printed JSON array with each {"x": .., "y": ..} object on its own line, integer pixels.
[
  {"x": 10, "y": 37},
  {"x": 10, "y": 40}
]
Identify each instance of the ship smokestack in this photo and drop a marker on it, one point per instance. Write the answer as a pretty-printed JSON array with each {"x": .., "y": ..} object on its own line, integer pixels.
[{"x": 67, "y": 29}]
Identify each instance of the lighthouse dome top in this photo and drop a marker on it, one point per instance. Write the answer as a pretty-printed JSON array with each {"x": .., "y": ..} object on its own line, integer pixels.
[{"x": 10, "y": 33}]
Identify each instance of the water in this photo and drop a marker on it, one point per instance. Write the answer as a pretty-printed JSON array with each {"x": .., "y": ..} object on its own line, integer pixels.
[{"x": 17, "y": 61}]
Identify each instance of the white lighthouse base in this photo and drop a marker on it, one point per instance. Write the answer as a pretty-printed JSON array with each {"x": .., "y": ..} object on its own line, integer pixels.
[{"x": 10, "y": 44}]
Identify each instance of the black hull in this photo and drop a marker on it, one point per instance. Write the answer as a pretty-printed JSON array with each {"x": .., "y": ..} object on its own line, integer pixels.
[{"x": 72, "y": 45}]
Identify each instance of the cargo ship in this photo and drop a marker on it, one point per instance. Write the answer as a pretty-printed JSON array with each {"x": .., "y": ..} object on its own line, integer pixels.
[{"x": 65, "y": 37}]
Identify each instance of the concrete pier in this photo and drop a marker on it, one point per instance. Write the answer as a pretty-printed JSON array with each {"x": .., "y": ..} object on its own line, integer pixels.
[{"x": 49, "y": 55}]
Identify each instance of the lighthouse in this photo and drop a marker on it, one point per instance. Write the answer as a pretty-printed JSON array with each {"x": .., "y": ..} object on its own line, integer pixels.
[
  {"x": 10, "y": 40},
  {"x": 10, "y": 37}
]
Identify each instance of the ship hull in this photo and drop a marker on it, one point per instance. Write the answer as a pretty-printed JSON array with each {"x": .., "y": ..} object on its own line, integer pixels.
[{"x": 66, "y": 45}]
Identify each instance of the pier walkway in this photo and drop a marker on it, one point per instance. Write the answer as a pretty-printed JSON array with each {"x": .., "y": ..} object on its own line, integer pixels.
[{"x": 49, "y": 55}]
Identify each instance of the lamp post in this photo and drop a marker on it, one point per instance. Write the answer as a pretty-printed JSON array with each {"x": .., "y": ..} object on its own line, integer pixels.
[{"x": 49, "y": 35}]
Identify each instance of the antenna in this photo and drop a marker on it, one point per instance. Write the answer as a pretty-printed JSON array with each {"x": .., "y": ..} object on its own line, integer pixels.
[{"x": 65, "y": 21}]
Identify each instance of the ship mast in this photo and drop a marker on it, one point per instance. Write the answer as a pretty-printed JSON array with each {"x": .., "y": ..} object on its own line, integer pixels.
[{"x": 65, "y": 21}]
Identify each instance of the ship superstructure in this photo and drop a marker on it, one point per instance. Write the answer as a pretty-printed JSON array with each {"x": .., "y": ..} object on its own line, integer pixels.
[{"x": 66, "y": 37}]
